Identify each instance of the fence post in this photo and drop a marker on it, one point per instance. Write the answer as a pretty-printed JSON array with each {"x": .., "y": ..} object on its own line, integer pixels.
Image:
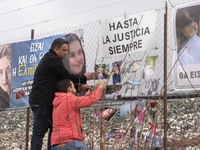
[
  {"x": 28, "y": 108},
  {"x": 165, "y": 77},
  {"x": 27, "y": 127}
]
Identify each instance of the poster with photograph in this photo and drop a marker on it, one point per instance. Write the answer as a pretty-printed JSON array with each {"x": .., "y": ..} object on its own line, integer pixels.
[
  {"x": 153, "y": 90},
  {"x": 158, "y": 139},
  {"x": 116, "y": 65},
  {"x": 75, "y": 61},
  {"x": 131, "y": 66},
  {"x": 130, "y": 34},
  {"x": 116, "y": 75},
  {"x": 127, "y": 111},
  {"x": 149, "y": 87},
  {"x": 149, "y": 66},
  {"x": 25, "y": 58},
  {"x": 130, "y": 89},
  {"x": 107, "y": 114},
  {"x": 103, "y": 71},
  {"x": 186, "y": 27},
  {"x": 133, "y": 110},
  {"x": 140, "y": 109},
  {"x": 112, "y": 92}
]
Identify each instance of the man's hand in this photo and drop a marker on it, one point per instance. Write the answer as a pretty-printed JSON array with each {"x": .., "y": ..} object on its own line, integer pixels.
[
  {"x": 85, "y": 88},
  {"x": 101, "y": 84},
  {"x": 91, "y": 76}
]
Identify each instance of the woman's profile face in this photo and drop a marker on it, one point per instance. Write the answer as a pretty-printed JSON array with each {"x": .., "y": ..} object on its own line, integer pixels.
[
  {"x": 76, "y": 57},
  {"x": 5, "y": 74}
]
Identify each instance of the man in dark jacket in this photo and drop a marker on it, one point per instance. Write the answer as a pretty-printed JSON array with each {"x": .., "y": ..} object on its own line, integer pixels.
[{"x": 50, "y": 70}]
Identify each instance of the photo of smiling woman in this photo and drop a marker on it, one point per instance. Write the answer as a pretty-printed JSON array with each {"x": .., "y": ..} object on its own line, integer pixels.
[
  {"x": 74, "y": 61},
  {"x": 5, "y": 75}
]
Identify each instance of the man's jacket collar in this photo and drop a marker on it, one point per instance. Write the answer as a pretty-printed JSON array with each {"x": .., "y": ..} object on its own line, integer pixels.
[{"x": 52, "y": 51}]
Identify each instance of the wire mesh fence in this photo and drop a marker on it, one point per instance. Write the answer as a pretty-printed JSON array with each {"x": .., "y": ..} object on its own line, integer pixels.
[{"x": 183, "y": 107}]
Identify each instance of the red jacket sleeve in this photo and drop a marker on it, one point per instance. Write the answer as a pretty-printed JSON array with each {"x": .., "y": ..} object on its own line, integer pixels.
[{"x": 87, "y": 100}]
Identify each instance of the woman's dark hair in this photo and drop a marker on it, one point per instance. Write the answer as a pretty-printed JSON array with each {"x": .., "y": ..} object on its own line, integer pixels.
[
  {"x": 185, "y": 16},
  {"x": 63, "y": 85},
  {"x": 58, "y": 43},
  {"x": 70, "y": 38},
  {"x": 183, "y": 19}
]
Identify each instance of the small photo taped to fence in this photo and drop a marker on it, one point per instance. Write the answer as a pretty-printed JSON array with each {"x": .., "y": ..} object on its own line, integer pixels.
[
  {"x": 129, "y": 89},
  {"x": 149, "y": 87},
  {"x": 107, "y": 114},
  {"x": 103, "y": 71},
  {"x": 140, "y": 110},
  {"x": 131, "y": 66},
  {"x": 133, "y": 110}
]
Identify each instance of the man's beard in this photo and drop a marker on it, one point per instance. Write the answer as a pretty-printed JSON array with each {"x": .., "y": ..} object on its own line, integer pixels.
[{"x": 74, "y": 92}]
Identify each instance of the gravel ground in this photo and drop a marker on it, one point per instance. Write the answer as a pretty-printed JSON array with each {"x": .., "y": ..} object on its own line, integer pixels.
[{"x": 183, "y": 124}]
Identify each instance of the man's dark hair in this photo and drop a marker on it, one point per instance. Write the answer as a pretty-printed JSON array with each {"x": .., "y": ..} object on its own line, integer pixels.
[
  {"x": 183, "y": 19},
  {"x": 58, "y": 43},
  {"x": 63, "y": 85}
]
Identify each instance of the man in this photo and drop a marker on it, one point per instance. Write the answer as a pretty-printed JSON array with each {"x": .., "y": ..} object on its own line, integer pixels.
[
  {"x": 67, "y": 122},
  {"x": 50, "y": 70}
]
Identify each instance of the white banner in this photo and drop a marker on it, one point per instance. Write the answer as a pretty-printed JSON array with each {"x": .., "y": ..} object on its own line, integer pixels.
[
  {"x": 188, "y": 76},
  {"x": 186, "y": 26},
  {"x": 130, "y": 34}
]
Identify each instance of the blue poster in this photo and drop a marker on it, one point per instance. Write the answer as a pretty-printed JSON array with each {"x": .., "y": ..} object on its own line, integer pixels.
[{"x": 25, "y": 58}]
